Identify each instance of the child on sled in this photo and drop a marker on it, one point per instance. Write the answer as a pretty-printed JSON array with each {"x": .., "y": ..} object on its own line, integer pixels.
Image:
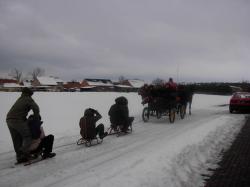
[
  {"x": 41, "y": 144},
  {"x": 119, "y": 115},
  {"x": 88, "y": 128}
]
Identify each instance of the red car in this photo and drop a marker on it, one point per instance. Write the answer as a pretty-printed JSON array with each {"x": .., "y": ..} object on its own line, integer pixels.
[{"x": 240, "y": 101}]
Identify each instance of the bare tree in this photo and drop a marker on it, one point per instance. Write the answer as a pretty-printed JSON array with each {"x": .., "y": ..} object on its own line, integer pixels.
[
  {"x": 158, "y": 81},
  {"x": 16, "y": 74},
  {"x": 121, "y": 79},
  {"x": 37, "y": 72}
]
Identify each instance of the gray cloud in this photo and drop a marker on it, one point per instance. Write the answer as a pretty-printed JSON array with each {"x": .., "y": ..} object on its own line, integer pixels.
[{"x": 189, "y": 40}]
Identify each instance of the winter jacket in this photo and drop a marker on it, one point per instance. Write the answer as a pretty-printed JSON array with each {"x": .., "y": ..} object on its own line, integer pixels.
[
  {"x": 171, "y": 85},
  {"x": 34, "y": 126},
  {"x": 119, "y": 112},
  {"x": 21, "y": 108},
  {"x": 37, "y": 132},
  {"x": 88, "y": 125},
  {"x": 36, "y": 142}
]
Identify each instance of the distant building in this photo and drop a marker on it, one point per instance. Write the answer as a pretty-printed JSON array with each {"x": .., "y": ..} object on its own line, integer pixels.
[
  {"x": 3, "y": 81},
  {"x": 8, "y": 83},
  {"x": 11, "y": 87},
  {"x": 47, "y": 84},
  {"x": 72, "y": 86},
  {"x": 134, "y": 84},
  {"x": 5, "y": 78},
  {"x": 97, "y": 85},
  {"x": 122, "y": 88}
]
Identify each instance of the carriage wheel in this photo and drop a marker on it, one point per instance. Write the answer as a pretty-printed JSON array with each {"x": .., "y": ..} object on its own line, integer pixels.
[
  {"x": 172, "y": 115},
  {"x": 145, "y": 114},
  {"x": 182, "y": 111}
]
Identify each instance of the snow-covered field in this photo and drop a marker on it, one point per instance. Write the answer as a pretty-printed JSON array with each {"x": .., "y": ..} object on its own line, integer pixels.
[{"x": 157, "y": 153}]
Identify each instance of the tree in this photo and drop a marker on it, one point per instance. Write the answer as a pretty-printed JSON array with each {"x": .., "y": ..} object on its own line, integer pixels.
[
  {"x": 16, "y": 74},
  {"x": 121, "y": 79},
  {"x": 37, "y": 72},
  {"x": 158, "y": 81}
]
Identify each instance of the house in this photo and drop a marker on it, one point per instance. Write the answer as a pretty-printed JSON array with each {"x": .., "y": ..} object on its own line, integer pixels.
[
  {"x": 134, "y": 84},
  {"x": 118, "y": 87},
  {"x": 47, "y": 84},
  {"x": 5, "y": 78},
  {"x": 97, "y": 85},
  {"x": 8, "y": 83},
  {"x": 11, "y": 87},
  {"x": 72, "y": 86}
]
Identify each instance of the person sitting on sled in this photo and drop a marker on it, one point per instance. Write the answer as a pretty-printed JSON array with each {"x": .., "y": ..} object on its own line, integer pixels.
[
  {"x": 119, "y": 114},
  {"x": 88, "y": 128},
  {"x": 40, "y": 144}
]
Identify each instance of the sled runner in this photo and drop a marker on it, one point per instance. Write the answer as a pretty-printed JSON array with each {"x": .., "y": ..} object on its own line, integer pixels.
[
  {"x": 88, "y": 143},
  {"x": 117, "y": 130},
  {"x": 36, "y": 160}
]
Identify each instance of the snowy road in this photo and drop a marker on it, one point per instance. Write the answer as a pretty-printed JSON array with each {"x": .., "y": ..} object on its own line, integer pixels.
[{"x": 157, "y": 153}]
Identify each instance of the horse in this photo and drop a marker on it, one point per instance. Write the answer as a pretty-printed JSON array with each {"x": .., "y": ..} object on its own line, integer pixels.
[
  {"x": 186, "y": 96},
  {"x": 189, "y": 101}
]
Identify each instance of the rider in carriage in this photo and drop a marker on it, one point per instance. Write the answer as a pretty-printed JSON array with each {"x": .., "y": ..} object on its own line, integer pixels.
[{"x": 171, "y": 85}]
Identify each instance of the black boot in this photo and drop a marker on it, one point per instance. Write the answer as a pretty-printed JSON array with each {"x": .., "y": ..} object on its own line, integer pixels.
[
  {"x": 22, "y": 160},
  {"x": 103, "y": 135},
  {"x": 48, "y": 155}
]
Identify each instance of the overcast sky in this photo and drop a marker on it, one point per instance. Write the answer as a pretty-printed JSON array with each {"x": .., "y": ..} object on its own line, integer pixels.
[{"x": 189, "y": 40}]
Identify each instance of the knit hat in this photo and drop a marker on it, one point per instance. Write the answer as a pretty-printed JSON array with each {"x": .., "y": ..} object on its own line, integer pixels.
[
  {"x": 27, "y": 91},
  {"x": 88, "y": 112}
]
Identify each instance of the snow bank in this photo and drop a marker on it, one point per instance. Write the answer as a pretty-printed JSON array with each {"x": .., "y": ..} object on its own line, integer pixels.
[{"x": 194, "y": 159}]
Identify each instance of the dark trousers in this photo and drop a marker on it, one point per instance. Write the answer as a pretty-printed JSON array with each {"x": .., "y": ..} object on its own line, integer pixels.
[
  {"x": 124, "y": 126},
  {"x": 46, "y": 145},
  {"x": 100, "y": 130},
  {"x": 21, "y": 137},
  {"x": 129, "y": 123}
]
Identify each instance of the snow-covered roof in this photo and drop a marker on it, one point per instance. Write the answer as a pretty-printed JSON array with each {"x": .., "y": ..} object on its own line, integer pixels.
[
  {"x": 51, "y": 81},
  {"x": 99, "y": 82},
  {"x": 123, "y": 86},
  {"x": 12, "y": 85},
  {"x": 136, "y": 83},
  {"x": 58, "y": 80},
  {"x": 88, "y": 87}
]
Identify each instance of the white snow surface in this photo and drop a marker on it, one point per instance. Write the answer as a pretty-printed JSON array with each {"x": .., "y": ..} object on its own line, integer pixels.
[{"x": 157, "y": 153}]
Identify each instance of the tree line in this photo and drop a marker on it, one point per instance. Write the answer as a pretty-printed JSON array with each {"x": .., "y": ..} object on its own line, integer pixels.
[{"x": 218, "y": 88}]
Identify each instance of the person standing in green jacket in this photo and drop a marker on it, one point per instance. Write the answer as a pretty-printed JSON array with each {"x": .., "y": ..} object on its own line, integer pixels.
[{"x": 18, "y": 125}]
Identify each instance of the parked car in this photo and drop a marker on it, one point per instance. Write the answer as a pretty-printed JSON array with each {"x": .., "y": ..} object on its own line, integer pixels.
[{"x": 240, "y": 101}]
